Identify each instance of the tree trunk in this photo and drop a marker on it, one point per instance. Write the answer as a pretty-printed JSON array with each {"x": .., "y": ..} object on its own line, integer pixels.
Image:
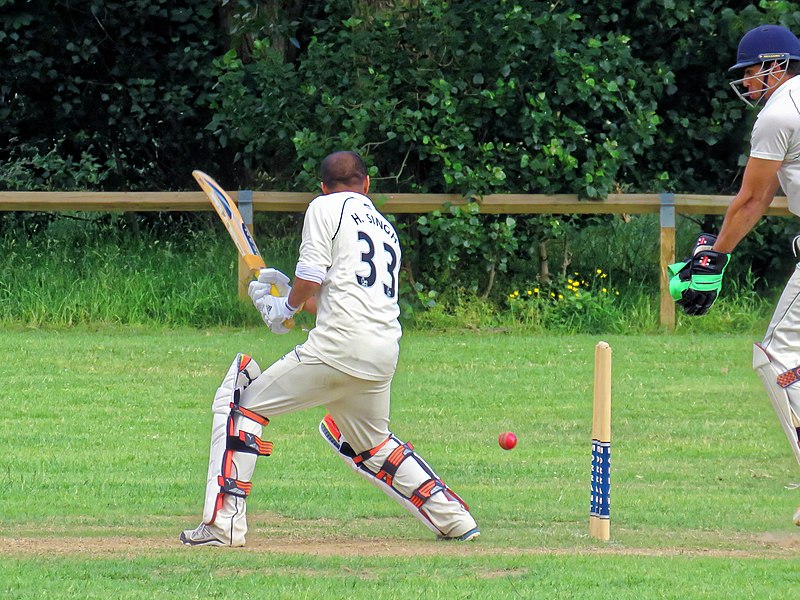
[
  {"x": 566, "y": 259},
  {"x": 490, "y": 285},
  {"x": 264, "y": 19},
  {"x": 544, "y": 266}
]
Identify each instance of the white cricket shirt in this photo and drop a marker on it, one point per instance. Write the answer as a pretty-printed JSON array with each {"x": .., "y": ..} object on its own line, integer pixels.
[
  {"x": 776, "y": 136},
  {"x": 357, "y": 329}
]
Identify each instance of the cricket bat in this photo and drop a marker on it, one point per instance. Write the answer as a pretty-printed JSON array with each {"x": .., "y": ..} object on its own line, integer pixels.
[{"x": 237, "y": 228}]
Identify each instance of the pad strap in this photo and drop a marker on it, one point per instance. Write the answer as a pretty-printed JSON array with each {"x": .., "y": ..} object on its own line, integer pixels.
[
  {"x": 423, "y": 493},
  {"x": 789, "y": 377},
  {"x": 249, "y": 442},
  {"x": 393, "y": 462},
  {"x": 249, "y": 414},
  {"x": 367, "y": 454},
  {"x": 245, "y": 441},
  {"x": 229, "y": 485}
]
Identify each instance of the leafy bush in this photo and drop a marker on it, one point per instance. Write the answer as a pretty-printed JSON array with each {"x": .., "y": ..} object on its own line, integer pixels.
[
  {"x": 464, "y": 97},
  {"x": 125, "y": 82},
  {"x": 28, "y": 169}
]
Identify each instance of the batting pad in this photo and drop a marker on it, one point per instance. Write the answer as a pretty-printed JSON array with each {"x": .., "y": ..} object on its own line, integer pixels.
[
  {"x": 396, "y": 468},
  {"x": 783, "y": 394},
  {"x": 235, "y": 445}
]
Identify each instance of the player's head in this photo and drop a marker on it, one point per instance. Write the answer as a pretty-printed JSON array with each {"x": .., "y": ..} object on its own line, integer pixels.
[
  {"x": 765, "y": 55},
  {"x": 344, "y": 170}
]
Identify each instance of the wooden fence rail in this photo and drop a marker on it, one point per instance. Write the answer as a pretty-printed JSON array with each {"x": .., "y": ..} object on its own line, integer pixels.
[{"x": 668, "y": 205}]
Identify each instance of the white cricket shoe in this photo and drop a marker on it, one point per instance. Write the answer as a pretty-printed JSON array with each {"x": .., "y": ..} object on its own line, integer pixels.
[
  {"x": 465, "y": 537},
  {"x": 201, "y": 536},
  {"x": 797, "y": 516}
]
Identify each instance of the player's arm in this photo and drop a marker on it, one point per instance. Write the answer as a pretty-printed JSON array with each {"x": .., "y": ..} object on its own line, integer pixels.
[
  {"x": 696, "y": 283},
  {"x": 320, "y": 225},
  {"x": 759, "y": 184},
  {"x": 304, "y": 293}
]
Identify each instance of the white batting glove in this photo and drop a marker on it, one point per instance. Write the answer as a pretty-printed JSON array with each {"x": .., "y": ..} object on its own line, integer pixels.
[
  {"x": 257, "y": 291},
  {"x": 275, "y": 310},
  {"x": 267, "y": 278},
  {"x": 276, "y": 278}
]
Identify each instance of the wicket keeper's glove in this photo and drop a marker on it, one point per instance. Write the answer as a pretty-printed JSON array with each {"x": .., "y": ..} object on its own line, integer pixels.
[{"x": 695, "y": 283}]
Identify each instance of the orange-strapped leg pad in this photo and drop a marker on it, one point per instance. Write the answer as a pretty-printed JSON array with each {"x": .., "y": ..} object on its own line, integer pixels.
[
  {"x": 396, "y": 468},
  {"x": 235, "y": 445}
]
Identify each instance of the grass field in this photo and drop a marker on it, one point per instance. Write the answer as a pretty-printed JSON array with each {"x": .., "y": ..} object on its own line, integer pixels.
[{"x": 104, "y": 451}]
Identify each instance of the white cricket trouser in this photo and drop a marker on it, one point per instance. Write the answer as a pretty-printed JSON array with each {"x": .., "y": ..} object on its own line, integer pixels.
[
  {"x": 300, "y": 380},
  {"x": 360, "y": 409},
  {"x": 782, "y": 345}
]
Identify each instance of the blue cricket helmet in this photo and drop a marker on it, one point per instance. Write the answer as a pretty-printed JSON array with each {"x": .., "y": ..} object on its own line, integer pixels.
[{"x": 765, "y": 43}]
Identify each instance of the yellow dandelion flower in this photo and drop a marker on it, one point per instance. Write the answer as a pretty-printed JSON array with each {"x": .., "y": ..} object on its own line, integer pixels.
[
  {"x": 604, "y": 290},
  {"x": 535, "y": 290},
  {"x": 530, "y": 293},
  {"x": 552, "y": 294},
  {"x": 560, "y": 296},
  {"x": 599, "y": 271}
]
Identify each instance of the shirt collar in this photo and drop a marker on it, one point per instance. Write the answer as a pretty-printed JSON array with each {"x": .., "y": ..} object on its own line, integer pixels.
[{"x": 792, "y": 84}]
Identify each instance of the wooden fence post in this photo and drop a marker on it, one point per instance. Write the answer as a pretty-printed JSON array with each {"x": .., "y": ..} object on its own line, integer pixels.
[
  {"x": 667, "y": 247},
  {"x": 244, "y": 200}
]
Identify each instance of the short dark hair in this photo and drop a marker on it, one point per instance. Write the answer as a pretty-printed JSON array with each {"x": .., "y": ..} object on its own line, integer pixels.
[{"x": 343, "y": 168}]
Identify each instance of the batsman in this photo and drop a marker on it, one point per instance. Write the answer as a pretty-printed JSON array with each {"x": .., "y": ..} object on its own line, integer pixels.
[
  {"x": 347, "y": 274},
  {"x": 767, "y": 64}
]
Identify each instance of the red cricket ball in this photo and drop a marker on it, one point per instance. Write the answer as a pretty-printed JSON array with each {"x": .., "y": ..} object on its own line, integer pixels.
[{"x": 507, "y": 440}]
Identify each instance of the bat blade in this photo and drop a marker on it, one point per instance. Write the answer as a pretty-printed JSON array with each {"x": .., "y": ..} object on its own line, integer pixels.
[
  {"x": 230, "y": 216},
  {"x": 232, "y": 219}
]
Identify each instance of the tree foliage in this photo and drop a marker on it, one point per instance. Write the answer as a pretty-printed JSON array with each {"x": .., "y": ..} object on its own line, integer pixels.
[
  {"x": 121, "y": 86},
  {"x": 575, "y": 97},
  {"x": 578, "y": 96}
]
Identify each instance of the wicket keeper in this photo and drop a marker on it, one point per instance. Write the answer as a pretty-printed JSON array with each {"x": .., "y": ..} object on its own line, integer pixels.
[{"x": 768, "y": 61}]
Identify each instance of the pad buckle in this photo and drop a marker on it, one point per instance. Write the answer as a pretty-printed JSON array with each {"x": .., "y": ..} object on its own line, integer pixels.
[
  {"x": 234, "y": 487},
  {"x": 423, "y": 493}
]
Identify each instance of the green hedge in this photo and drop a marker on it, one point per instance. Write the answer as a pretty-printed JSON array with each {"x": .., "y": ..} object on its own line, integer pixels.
[{"x": 578, "y": 96}]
